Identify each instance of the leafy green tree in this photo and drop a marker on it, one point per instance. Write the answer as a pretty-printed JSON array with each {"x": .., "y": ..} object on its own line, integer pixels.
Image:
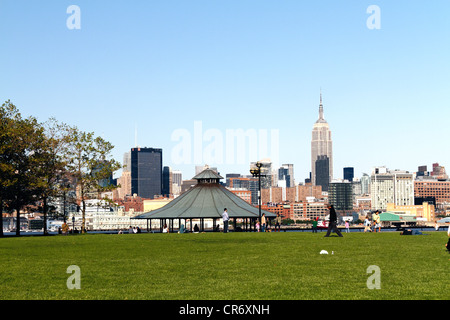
[
  {"x": 22, "y": 148},
  {"x": 89, "y": 162},
  {"x": 8, "y": 115},
  {"x": 54, "y": 163}
]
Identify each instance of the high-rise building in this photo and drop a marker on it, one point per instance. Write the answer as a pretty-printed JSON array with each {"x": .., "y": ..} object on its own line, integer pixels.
[
  {"x": 177, "y": 180},
  {"x": 395, "y": 187},
  {"x": 322, "y": 172},
  {"x": 124, "y": 183},
  {"x": 127, "y": 162},
  {"x": 296, "y": 194},
  {"x": 321, "y": 144},
  {"x": 286, "y": 173},
  {"x": 228, "y": 176},
  {"x": 248, "y": 183},
  {"x": 340, "y": 195},
  {"x": 365, "y": 184},
  {"x": 422, "y": 171},
  {"x": 146, "y": 172},
  {"x": 266, "y": 173},
  {"x": 439, "y": 172},
  {"x": 434, "y": 191},
  {"x": 167, "y": 181},
  {"x": 199, "y": 169},
  {"x": 177, "y": 177},
  {"x": 349, "y": 173}
]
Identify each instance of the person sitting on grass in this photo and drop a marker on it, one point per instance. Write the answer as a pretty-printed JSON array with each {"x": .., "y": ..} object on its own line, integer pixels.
[{"x": 196, "y": 229}]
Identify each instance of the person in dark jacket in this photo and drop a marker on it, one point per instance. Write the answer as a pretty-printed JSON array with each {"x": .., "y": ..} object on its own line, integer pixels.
[{"x": 332, "y": 225}]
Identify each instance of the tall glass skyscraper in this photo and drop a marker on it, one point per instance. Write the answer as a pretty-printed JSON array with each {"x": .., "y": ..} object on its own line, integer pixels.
[
  {"x": 167, "y": 181},
  {"x": 146, "y": 172},
  {"x": 321, "y": 144},
  {"x": 323, "y": 172},
  {"x": 349, "y": 173}
]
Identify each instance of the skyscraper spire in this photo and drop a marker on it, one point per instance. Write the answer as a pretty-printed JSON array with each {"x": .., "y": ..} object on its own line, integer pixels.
[{"x": 321, "y": 107}]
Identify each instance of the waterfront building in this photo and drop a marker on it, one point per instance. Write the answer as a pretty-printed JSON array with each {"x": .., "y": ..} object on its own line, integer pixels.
[
  {"x": 395, "y": 187},
  {"x": 309, "y": 210},
  {"x": 295, "y": 194},
  {"x": 439, "y": 190},
  {"x": 425, "y": 211}
]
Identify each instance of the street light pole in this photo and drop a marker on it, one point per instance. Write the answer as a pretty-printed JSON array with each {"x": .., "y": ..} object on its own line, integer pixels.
[
  {"x": 259, "y": 194},
  {"x": 256, "y": 172}
]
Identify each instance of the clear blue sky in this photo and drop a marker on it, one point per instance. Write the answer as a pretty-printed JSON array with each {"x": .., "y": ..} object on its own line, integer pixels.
[{"x": 159, "y": 66}]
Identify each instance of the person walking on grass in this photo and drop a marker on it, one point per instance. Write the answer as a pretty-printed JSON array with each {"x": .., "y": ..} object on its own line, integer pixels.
[{"x": 332, "y": 226}]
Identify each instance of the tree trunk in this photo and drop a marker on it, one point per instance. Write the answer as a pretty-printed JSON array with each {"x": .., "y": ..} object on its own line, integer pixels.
[
  {"x": 18, "y": 221},
  {"x": 83, "y": 221},
  {"x": 45, "y": 215},
  {"x": 1, "y": 218}
]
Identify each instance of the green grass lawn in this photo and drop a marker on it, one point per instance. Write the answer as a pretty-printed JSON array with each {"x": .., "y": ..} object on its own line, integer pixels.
[{"x": 233, "y": 266}]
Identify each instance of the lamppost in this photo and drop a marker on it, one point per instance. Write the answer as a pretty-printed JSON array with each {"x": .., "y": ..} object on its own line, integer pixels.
[{"x": 256, "y": 172}]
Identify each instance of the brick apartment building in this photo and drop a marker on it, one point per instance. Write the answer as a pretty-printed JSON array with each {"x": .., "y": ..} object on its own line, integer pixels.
[
  {"x": 440, "y": 190},
  {"x": 294, "y": 194}
]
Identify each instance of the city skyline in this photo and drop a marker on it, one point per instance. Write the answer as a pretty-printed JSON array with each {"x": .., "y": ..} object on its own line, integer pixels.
[{"x": 155, "y": 67}]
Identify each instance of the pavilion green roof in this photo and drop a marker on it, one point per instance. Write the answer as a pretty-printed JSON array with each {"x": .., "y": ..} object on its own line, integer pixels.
[
  {"x": 206, "y": 200},
  {"x": 207, "y": 174},
  {"x": 391, "y": 216}
]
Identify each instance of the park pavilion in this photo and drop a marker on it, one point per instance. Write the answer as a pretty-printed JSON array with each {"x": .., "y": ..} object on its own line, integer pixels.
[{"x": 206, "y": 201}]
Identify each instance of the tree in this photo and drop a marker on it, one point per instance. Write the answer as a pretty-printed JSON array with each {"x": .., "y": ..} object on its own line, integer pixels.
[
  {"x": 8, "y": 115},
  {"x": 89, "y": 162},
  {"x": 54, "y": 165},
  {"x": 22, "y": 147}
]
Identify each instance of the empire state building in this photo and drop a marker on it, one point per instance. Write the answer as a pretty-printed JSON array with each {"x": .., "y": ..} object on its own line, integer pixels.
[{"x": 321, "y": 152}]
